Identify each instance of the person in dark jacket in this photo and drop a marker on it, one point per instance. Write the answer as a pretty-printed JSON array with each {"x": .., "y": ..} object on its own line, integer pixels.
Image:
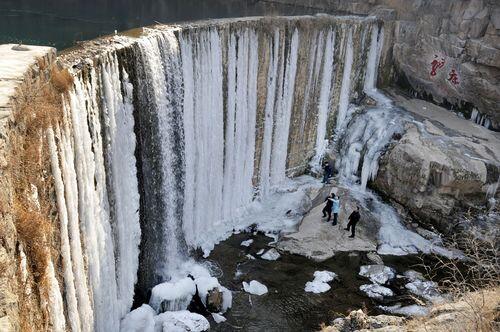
[
  {"x": 327, "y": 172},
  {"x": 327, "y": 210},
  {"x": 353, "y": 220}
]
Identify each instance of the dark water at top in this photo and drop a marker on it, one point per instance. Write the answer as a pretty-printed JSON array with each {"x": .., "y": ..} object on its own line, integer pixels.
[{"x": 62, "y": 23}]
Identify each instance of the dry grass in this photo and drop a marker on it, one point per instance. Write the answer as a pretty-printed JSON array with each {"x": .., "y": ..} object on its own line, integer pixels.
[
  {"x": 473, "y": 311},
  {"x": 29, "y": 172},
  {"x": 61, "y": 79}
]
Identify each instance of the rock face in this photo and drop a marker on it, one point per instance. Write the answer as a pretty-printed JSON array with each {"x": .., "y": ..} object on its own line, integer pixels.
[
  {"x": 440, "y": 166},
  {"x": 447, "y": 51}
]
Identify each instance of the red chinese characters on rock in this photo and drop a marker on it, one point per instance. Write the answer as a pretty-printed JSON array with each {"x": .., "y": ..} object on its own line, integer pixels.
[
  {"x": 436, "y": 64},
  {"x": 453, "y": 77}
]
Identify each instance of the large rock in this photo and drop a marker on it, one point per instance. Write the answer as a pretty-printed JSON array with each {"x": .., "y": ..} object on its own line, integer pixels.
[{"x": 441, "y": 165}]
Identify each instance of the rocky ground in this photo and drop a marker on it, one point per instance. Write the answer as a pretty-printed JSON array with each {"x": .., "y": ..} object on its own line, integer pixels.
[
  {"x": 476, "y": 311},
  {"x": 442, "y": 164},
  {"x": 319, "y": 240}
]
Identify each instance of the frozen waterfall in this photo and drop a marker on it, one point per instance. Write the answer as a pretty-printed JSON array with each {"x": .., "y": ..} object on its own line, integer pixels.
[{"x": 170, "y": 139}]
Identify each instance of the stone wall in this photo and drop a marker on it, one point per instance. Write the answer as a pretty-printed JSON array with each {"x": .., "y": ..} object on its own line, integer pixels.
[
  {"x": 459, "y": 38},
  {"x": 22, "y": 70}
]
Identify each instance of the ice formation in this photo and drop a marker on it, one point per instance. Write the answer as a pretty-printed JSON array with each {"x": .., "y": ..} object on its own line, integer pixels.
[
  {"x": 247, "y": 243},
  {"x": 379, "y": 274},
  {"x": 320, "y": 282},
  {"x": 411, "y": 310},
  {"x": 271, "y": 255},
  {"x": 255, "y": 287},
  {"x": 376, "y": 291}
]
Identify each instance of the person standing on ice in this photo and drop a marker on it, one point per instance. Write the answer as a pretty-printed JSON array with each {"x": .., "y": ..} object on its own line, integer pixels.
[
  {"x": 327, "y": 210},
  {"x": 353, "y": 220},
  {"x": 327, "y": 172},
  {"x": 335, "y": 209}
]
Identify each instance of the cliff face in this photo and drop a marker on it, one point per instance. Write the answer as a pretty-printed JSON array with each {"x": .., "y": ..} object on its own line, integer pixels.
[{"x": 447, "y": 51}]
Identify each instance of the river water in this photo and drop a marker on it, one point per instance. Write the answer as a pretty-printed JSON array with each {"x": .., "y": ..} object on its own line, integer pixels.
[
  {"x": 287, "y": 307},
  {"x": 62, "y": 23}
]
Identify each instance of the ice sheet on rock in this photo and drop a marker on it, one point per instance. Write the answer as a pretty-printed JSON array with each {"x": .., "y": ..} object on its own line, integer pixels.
[
  {"x": 139, "y": 320},
  {"x": 178, "y": 294},
  {"x": 271, "y": 255},
  {"x": 255, "y": 287},
  {"x": 249, "y": 256},
  {"x": 260, "y": 252},
  {"x": 427, "y": 290},
  {"x": 376, "y": 291},
  {"x": 379, "y": 274},
  {"x": 181, "y": 321},
  {"x": 320, "y": 282},
  {"x": 411, "y": 310},
  {"x": 393, "y": 237},
  {"x": 246, "y": 243}
]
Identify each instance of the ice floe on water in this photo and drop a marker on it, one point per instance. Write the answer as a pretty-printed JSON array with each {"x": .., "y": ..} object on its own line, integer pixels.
[
  {"x": 410, "y": 310},
  {"x": 376, "y": 291},
  {"x": 378, "y": 274},
  {"x": 271, "y": 255},
  {"x": 247, "y": 243},
  {"x": 320, "y": 282},
  {"x": 255, "y": 287},
  {"x": 218, "y": 318}
]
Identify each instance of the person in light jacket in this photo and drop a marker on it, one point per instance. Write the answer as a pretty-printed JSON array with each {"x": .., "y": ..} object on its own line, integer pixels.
[{"x": 335, "y": 209}]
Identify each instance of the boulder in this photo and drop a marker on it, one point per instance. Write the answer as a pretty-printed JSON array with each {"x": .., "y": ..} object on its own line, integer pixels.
[{"x": 214, "y": 300}]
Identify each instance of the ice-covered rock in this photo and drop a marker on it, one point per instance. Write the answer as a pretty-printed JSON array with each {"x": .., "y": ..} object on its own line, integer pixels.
[
  {"x": 427, "y": 290},
  {"x": 320, "y": 282},
  {"x": 207, "y": 287},
  {"x": 271, "y": 255},
  {"x": 249, "y": 256},
  {"x": 413, "y": 275},
  {"x": 255, "y": 287},
  {"x": 260, "y": 252},
  {"x": 379, "y": 274},
  {"x": 411, "y": 310},
  {"x": 247, "y": 243},
  {"x": 172, "y": 296},
  {"x": 139, "y": 320},
  {"x": 376, "y": 291},
  {"x": 181, "y": 321}
]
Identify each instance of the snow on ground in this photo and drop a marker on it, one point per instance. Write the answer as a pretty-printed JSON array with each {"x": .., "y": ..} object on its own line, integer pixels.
[
  {"x": 255, "y": 287},
  {"x": 376, "y": 291},
  {"x": 378, "y": 274},
  {"x": 271, "y": 255},
  {"x": 320, "y": 282},
  {"x": 247, "y": 243},
  {"x": 411, "y": 310}
]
